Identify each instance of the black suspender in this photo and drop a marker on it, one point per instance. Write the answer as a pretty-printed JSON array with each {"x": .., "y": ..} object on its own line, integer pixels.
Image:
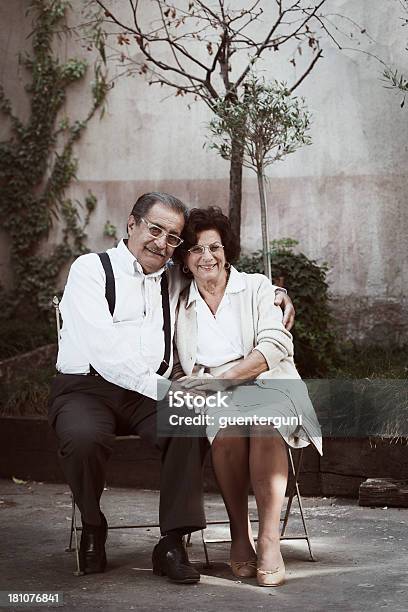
[
  {"x": 110, "y": 295},
  {"x": 166, "y": 324},
  {"x": 110, "y": 291}
]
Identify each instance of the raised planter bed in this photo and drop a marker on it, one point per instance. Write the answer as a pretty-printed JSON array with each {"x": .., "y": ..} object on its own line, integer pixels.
[{"x": 28, "y": 450}]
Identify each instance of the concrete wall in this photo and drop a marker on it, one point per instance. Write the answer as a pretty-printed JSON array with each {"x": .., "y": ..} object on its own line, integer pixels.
[{"x": 343, "y": 198}]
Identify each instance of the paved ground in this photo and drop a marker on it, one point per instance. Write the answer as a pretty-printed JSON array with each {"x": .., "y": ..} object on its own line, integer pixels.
[{"x": 362, "y": 557}]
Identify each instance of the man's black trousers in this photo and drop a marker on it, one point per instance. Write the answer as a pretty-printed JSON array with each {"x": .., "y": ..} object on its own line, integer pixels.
[{"x": 87, "y": 412}]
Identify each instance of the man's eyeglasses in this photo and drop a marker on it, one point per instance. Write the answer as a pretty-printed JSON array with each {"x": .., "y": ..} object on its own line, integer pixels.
[
  {"x": 157, "y": 232},
  {"x": 199, "y": 249}
]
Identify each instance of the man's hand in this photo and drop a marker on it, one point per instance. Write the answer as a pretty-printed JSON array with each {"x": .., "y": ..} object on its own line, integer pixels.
[
  {"x": 207, "y": 383},
  {"x": 184, "y": 384},
  {"x": 176, "y": 385},
  {"x": 283, "y": 301},
  {"x": 189, "y": 382}
]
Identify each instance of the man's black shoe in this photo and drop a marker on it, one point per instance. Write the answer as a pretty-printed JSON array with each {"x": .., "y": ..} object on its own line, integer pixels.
[
  {"x": 170, "y": 559},
  {"x": 92, "y": 556}
]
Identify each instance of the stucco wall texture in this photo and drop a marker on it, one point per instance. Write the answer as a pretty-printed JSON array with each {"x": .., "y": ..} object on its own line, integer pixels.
[{"x": 344, "y": 198}]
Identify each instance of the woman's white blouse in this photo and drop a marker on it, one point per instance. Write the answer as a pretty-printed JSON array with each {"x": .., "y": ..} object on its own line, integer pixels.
[{"x": 219, "y": 336}]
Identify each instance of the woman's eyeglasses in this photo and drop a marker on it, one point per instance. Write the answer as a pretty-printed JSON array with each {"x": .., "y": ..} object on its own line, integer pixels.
[
  {"x": 157, "y": 232},
  {"x": 199, "y": 249}
]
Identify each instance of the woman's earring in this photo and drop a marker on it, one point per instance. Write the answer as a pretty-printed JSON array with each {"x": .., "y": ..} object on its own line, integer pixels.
[
  {"x": 227, "y": 265},
  {"x": 185, "y": 269}
]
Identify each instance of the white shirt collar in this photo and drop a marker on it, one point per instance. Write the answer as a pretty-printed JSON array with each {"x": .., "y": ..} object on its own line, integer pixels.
[
  {"x": 130, "y": 262},
  {"x": 235, "y": 285}
]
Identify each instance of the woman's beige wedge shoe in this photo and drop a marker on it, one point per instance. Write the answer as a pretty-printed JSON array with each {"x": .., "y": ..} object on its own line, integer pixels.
[
  {"x": 271, "y": 578},
  {"x": 244, "y": 569}
]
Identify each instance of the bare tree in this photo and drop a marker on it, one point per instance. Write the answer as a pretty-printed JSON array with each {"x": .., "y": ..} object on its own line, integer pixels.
[
  {"x": 207, "y": 48},
  {"x": 395, "y": 79}
]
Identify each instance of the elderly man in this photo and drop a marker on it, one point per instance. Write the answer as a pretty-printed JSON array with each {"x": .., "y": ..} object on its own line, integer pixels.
[{"x": 118, "y": 313}]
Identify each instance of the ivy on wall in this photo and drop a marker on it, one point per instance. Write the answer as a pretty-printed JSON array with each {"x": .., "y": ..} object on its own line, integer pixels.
[{"x": 37, "y": 165}]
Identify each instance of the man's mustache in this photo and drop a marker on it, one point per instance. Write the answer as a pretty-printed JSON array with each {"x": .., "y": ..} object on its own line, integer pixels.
[{"x": 161, "y": 253}]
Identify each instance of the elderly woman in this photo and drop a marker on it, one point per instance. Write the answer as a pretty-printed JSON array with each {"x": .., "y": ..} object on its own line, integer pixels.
[{"x": 229, "y": 328}]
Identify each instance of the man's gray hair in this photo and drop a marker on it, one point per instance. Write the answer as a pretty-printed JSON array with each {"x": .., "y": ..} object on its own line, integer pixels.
[{"x": 148, "y": 200}]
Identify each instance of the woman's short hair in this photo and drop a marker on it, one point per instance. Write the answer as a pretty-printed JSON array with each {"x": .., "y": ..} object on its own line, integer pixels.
[{"x": 211, "y": 218}]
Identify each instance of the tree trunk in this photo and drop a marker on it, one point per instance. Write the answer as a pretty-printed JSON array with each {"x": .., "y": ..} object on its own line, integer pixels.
[
  {"x": 264, "y": 224},
  {"x": 235, "y": 188}
]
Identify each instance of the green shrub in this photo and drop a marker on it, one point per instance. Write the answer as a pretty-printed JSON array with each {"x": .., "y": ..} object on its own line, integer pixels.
[
  {"x": 371, "y": 361},
  {"x": 19, "y": 336},
  {"x": 27, "y": 394},
  {"x": 316, "y": 352}
]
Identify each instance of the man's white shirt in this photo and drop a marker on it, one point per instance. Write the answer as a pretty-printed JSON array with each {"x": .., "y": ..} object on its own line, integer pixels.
[{"x": 128, "y": 349}]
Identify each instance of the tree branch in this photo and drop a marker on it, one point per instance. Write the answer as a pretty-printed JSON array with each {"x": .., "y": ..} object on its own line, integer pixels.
[
  {"x": 112, "y": 18},
  {"x": 259, "y": 50},
  {"x": 307, "y": 71}
]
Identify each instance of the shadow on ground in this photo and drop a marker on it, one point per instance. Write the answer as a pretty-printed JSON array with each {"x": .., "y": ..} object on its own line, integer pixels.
[{"x": 362, "y": 557}]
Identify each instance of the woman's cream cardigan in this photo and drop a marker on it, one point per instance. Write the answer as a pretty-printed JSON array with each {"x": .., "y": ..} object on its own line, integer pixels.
[
  {"x": 261, "y": 323},
  {"x": 263, "y": 330}
]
